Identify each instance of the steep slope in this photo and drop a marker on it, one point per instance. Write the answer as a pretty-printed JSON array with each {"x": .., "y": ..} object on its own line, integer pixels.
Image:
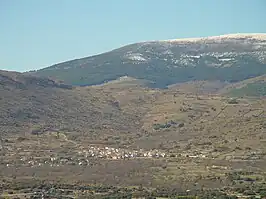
[
  {"x": 30, "y": 103},
  {"x": 226, "y": 58}
]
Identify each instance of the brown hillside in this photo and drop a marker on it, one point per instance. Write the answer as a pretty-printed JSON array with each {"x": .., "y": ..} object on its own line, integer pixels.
[
  {"x": 127, "y": 136},
  {"x": 33, "y": 103}
]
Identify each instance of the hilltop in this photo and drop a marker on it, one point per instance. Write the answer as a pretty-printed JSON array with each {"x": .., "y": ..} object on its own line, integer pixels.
[{"x": 226, "y": 58}]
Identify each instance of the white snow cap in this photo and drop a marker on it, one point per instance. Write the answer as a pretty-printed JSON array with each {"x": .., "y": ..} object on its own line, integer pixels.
[{"x": 257, "y": 36}]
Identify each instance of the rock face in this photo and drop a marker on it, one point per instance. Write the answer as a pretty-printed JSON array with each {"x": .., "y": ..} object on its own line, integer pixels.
[{"x": 229, "y": 58}]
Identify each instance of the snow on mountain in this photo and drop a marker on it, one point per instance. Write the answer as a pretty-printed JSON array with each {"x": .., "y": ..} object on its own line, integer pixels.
[
  {"x": 232, "y": 57},
  {"x": 135, "y": 57},
  {"x": 256, "y": 36}
]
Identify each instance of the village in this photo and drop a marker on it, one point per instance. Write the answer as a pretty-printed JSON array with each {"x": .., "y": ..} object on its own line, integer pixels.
[
  {"x": 83, "y": 157},
  {"x": 86, "y": 156}
]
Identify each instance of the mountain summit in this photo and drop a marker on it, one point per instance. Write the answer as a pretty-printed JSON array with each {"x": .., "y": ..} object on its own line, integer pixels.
[
  {"x": 257, "y": 36},
  {"x": 230, "y": 58}
]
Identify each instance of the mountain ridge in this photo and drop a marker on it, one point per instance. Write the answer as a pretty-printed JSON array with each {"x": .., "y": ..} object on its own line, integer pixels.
[
  {"x": 260, "y": 36},
  {"x": 169, "y": 62}
]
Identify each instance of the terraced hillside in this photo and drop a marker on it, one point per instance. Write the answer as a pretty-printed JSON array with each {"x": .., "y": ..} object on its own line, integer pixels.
[{"x": 227, "y": 58}]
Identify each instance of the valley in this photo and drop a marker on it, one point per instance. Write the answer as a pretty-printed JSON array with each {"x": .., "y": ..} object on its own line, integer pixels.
[{"x": 123, "y": 139}]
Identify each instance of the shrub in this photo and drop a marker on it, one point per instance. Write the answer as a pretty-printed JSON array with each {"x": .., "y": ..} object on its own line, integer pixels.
[{"x": 233, "y": 101}]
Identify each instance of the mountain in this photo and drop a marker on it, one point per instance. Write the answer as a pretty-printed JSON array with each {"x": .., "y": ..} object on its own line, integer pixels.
[
  {"x": 37, "y": 103},
  {"x": 227, "y": 58}
]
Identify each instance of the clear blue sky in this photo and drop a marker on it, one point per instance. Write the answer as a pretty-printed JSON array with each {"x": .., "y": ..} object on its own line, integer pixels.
[{"x": 38, "y": 33}]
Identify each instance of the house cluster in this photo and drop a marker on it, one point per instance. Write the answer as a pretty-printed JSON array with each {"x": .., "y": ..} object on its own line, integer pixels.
[
  {"x": 84, "y": 157},
  {"x": 197, "y": 154},
  {"x": 114, "y": 153}
]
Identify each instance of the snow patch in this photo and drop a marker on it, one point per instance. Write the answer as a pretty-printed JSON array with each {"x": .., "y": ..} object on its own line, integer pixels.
[
  {"x": 225, "y": 59},
  {"x": 256, "y": 36},
  {"x": 135, "y": 57},
  {"x": 196, "y": 56}
]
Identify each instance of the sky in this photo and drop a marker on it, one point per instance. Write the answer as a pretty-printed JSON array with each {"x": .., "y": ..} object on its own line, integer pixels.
[{"x": 39, "y": 33}]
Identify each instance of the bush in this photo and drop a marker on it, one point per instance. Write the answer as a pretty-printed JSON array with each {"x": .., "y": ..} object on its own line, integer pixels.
[
  {"x": 263, "y": 193},
  {"x": 161, "y": 126},
  {"x": 233, "y": 101}
]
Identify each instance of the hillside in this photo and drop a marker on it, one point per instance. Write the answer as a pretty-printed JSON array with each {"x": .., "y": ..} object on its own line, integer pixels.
[
  {"x": 253, "y": 87},
  {"x": 122, "y": 137},
  {"x": 229, "y": 58},
  {"x": 30, "y": 103},
  {"x": 126, "y": 82}
]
